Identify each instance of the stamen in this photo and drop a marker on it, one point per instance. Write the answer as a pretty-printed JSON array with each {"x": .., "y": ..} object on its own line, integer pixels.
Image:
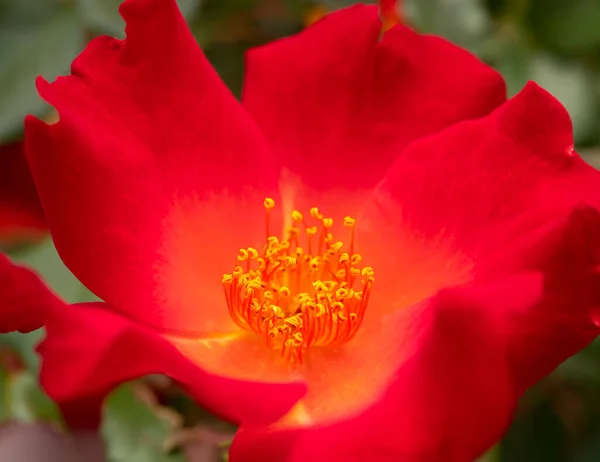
[
  {"x": 295, "y": 296},
  {"x": 349, "y": 222},
  {"x": 269, "y": 205}
]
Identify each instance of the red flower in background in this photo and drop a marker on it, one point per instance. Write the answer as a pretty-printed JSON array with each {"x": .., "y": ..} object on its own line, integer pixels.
[
  {"x": 466, "y": 269},
  {"x": 21, "y": 216}
]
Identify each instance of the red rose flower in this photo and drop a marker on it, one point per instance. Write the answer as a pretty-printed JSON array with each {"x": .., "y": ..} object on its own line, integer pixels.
[
  {"x": 374, "y": 220},
  {"x": 21, "y": 216}
]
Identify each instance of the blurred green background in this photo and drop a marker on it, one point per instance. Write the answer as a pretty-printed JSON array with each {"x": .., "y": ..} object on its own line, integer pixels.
[{"x": 554, "y": 42}]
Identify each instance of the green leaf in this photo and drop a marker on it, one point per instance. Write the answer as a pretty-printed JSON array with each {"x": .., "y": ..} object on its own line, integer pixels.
[
  {"x": 463, "y": 22},
  {"x": 511, "y": 56},
  {"x": 583, "y": 368},
  {"x": 536, "y": 435},
  {"x": 27, "y": 402},
  {"x": 211, "y": 24},
  {"x": 590, "y": 452},
  {"x": 566, "y": 26},
  {"x": 33, "y": 42},
  {"x": 26, "y": 11},
  {"x": 493, "y": 455},
  {"x": 4, "y": 411},
  {"x": 228, "y": 61},
  {"x": 22, "y": 399},
  {"x": 136, "y": 429},
  {"x": 21, "y": 396},
  {"x": 567, "y": 80},
  {"x": 332, "y": 5},
  {"x": 102, "y": 16}
]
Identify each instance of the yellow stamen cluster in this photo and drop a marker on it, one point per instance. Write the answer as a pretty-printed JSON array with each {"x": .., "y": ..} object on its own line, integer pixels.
[{"x": 299, "y": 291}]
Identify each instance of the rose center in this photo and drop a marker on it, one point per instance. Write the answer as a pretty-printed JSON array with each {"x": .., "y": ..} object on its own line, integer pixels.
[{"x": 305, "y": 289}]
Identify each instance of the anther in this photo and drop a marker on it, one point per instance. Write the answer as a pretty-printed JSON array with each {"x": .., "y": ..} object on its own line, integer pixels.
[
  {"x": 269, "y": 203},
  {"x": 297, "y": 294}
]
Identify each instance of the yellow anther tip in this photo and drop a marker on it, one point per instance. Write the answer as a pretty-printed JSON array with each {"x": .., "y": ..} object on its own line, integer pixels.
[
  {"x": 269, "y": 203},
  {"x": 341, "y": 293},
  {"x": 227, "y": 279},
  {"x": 337, "y": 246},
  {"x": 243, "y": 256},
  {"x": 290, "y": 262},
  {"x": 349, "y": 221}
]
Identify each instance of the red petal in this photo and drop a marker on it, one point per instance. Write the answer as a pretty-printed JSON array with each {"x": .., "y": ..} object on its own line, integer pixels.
[
  {"x": 495, "y": 196},
  {"x": 146, "y": 128},
  {"x": 20, "y": 210},
  {"x": 485, "y": 186},
  {"x": 105, "y": 349},
  {"x": 24, "y": 299},
  {"x": 561, "y": 324},
  {"x": 450, "y": 398},
  {"x": 340, "y": 378},
  {"x": 409, "y": 267},
  {"x": 338, "y": 105}
]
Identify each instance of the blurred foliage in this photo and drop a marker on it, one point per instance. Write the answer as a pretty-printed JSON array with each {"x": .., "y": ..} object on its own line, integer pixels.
[
  {"x": 44, "y": 258},
  {"x": 555, "y": 42},
  {"x": 137, "y": 427},
  {"x": 36, "y": 37},
  {"x": 103, "y": 15},
  {"x": 21, "y": 398}
]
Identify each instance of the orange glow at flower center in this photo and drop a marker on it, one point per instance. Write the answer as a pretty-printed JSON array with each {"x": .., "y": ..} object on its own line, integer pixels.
[{"x": 304, "y": 290}]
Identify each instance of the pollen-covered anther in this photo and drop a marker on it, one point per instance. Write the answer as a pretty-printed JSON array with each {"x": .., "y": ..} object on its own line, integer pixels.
[{"x": 305, "y": 289}]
